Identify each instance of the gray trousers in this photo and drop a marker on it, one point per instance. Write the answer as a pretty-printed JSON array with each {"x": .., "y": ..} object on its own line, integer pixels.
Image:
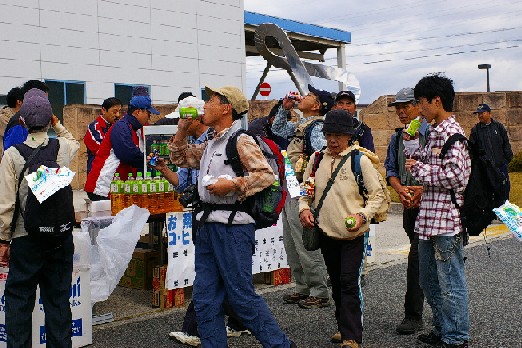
[{"x": 308, "y": 268}]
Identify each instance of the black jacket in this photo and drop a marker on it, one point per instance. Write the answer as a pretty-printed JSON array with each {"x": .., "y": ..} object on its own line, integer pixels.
[{"x": 493, "y": 140}]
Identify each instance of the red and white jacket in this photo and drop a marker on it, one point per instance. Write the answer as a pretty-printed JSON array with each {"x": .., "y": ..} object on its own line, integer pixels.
[
  {"x": 120, "y": 151},
  {"x": 93, "y": 138}
]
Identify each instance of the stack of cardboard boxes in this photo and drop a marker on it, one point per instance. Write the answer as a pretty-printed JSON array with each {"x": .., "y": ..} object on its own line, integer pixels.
[
  {"x": 161, "y": 296},
  {"x": 138, "y": 274}
]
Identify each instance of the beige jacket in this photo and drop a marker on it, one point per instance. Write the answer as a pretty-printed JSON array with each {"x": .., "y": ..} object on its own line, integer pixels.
[
  {"x": 5, "y": 116},
  {"x": 343, "y": 199},
  {"x": 10, "y": 168},
  {"x": 295, "y": 148}
]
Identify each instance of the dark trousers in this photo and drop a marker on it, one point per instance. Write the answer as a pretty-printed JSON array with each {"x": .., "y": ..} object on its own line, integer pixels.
[
  {"x": 344, "y": 262},
  {"x": 94, "y": 197},
  {"x": 190, "y": 325},
  {"x": 34, "y": 262},
  {"x": 504, "y": 170},
  {"x": 414, "y": 298},
  {"x": 224, "y": 270}
]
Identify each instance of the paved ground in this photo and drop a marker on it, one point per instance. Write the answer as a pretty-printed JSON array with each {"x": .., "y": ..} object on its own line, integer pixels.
[{"x": 495, "y": 302}]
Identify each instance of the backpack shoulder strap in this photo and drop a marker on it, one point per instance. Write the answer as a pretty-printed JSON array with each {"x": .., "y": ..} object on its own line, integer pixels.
[
  {"x": 28, "y": 157},
  {"x": 307, "y": 143},
  {"x": 357, "y": 172},
  {"x": 317, "y": 160},
  {"x": 232, "y": 155},
  {"x": 445, "y": 148},
  {"x": 451, "y": 140},
  {"x": 398, "y": 132}
]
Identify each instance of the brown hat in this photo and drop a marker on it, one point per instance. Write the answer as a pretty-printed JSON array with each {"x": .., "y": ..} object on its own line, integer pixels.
[{"x": 234, "y": 95}]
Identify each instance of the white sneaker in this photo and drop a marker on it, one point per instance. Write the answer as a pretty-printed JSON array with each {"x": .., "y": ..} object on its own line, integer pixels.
[
  {"x": 233, "y": 333},
  {"x": 184, "y": 338}
]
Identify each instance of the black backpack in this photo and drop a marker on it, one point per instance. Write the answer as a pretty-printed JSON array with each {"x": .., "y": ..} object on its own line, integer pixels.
[
  {"x": 485, "y": 190},
  {"x": 308, "y": 150},
  {"x": 54, "y": 217},
  {"x": 266, "y": 205}
]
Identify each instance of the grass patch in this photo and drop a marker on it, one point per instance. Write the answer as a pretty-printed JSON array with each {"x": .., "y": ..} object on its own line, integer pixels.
[{"x": 515, "y": 195}]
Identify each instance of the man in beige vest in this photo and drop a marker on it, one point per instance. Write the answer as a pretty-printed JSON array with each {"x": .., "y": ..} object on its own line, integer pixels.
[{"x": 308, "y": 268}]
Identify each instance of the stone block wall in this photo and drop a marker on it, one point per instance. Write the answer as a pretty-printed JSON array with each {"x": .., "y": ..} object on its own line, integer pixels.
[{"x": 506, "y": 108}]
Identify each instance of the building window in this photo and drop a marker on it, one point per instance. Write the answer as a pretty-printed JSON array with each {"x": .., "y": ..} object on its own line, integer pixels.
[
  {"x": 124, "y": 92},
  {"x": 63, "y": 93},
  {"x": 204, "y": 94}
]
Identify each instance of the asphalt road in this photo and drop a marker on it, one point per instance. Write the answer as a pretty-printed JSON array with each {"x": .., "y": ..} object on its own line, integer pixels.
[{"x": 495, "y": 308}]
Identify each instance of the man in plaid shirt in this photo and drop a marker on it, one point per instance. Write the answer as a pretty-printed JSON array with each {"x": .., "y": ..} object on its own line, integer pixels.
[{"x": 438, "y": 224}]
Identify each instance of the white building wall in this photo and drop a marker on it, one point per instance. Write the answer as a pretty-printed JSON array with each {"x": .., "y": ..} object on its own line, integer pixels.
[{"x": 173, "y": 45}]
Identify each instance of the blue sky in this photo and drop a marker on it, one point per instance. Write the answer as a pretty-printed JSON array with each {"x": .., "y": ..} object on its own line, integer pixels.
[{"x": 395, "y": 43}]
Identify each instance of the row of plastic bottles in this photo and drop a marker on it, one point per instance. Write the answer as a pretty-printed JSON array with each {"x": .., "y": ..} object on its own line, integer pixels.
[{"x": 155, "y": 194}]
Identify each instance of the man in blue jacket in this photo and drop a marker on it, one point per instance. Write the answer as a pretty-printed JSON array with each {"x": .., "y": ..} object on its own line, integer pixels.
[
  {"x": 120, "y": 149},
  {"x": 410, "y": 192}
]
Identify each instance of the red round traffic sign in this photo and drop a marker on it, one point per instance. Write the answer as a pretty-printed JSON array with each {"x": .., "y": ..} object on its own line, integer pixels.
[{"x": 265, "y": 89}]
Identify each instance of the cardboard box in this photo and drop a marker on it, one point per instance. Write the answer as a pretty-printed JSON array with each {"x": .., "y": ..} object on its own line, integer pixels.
[
  {"x": 278, "y": 277},
  {"x": 162, "y": 298},
  {"x": 159, "y": 274},
  {"x": 138, "y": 274}
]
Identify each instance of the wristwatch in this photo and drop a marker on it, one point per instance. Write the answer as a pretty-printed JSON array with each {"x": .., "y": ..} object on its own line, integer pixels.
[{"x": 363, "y": 217}]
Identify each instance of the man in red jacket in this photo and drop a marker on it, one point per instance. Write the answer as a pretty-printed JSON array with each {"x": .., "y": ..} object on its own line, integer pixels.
[{"x": 110, "y": 114}]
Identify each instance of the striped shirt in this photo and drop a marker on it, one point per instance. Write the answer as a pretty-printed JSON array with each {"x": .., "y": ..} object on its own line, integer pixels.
[{"x": 438, "y": 215}]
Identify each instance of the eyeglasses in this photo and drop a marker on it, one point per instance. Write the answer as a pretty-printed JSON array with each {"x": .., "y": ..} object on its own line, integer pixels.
[
  {"x": 147, "y": 111},
  {"x": 313, "y": 95}
]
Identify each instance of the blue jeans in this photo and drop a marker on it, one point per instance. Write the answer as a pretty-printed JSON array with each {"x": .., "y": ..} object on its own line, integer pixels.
[
  {"x": 224, "y": 270},
  {"x": 443, "y": 281}
]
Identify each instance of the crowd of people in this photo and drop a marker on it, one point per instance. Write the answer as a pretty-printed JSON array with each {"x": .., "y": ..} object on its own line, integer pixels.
[{"x": 324, "y": 143}]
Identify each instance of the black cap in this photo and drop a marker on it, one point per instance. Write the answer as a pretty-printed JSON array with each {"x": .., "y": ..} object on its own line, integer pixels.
[
  {"x": 482, "y": 108},
  {"x": 183, "y": 95},
  {"x": 345, "y": 94},
  {"x": 339, "y": 122},
  {"x": 325, "y": 98}
]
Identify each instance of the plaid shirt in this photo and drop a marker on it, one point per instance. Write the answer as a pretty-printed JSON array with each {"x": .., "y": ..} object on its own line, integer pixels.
[
  {"x": 438, "y": 215},
  {"x": 260, "y": 174}
]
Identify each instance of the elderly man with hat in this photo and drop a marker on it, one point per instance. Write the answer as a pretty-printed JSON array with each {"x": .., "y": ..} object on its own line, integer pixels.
[
  {"x": 409, "y": 191},
  {"x": 345, "y": 100},
  {"x": 224, "y": 240},
  {"x": 490, "y": 137},
  {"x": 308, "y": 268},
  {"x": 120, "y": 149},
  {"x": 30, "y": 261},
  {"x": 343, "y": 247}
]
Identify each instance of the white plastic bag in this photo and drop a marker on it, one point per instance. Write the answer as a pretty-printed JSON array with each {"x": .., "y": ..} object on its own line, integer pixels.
[
  {"x": 511, "y": 215},
  {"x": 113, "y": 250},
  {"x": 82, "y": 251}
]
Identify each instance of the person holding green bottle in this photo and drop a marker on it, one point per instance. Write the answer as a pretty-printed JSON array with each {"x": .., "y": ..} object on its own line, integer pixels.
[{"x": 410, "y": 194}]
